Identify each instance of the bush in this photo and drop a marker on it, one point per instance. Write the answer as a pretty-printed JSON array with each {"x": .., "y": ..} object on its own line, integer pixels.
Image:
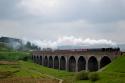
[
  {"x": 25, "y": 58},
  {"x": 82, "y": 75},
  {"x": 93, "y": 76}
]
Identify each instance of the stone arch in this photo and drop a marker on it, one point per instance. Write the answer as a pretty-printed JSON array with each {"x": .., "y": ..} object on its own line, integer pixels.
[
  {"x": 92, "y": 64},
  {"x": 81, "y": 63},
  {"x": 50, "y": 62},
  {"x": 37, "y": 60},
  {"x": 34, "y": 59},
  {"x": 45, "y": 61},
  {"x": 56, "y": 62},
  {"x": 104, "y": 61},
  {"x": 72, "y": 64},
  {"x": 41, "y": 60},
  {"x": 62, "y": 63}
]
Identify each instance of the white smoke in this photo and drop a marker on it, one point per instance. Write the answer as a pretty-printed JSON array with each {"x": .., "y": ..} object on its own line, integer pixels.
[{"x": 73, "y": 41}]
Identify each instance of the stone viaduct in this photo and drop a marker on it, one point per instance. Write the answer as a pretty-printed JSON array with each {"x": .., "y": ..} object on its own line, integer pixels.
[{"x": 77, "y": 59}]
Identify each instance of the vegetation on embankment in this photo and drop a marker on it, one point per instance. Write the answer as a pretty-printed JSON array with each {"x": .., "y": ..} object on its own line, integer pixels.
[
  {"x": 17, "y": 65},
  {"x": 117, "y": 65},
  {"x": 22, "y": 69},
  {"x": 14, "y": 44},
  {"x": 28, "y": 69},
  {"x": 14, "y": 55},
  {"x": 114, "y": 72}
]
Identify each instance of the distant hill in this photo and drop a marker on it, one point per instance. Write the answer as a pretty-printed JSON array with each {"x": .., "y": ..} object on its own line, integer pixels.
[
  {"x": 8, "y": 40},
  {"x": 12, "y": 42},
  {"x": 4, "y": 46},
  {"x": 16, "y": 44}
]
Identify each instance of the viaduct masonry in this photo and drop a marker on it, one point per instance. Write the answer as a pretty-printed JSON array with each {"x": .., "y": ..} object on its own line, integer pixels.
[{"x": 76, "y": 59}]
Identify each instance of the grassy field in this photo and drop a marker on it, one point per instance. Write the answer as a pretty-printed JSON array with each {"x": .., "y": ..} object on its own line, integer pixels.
[
  {"x": 13, "y": 56},
  {"x": 28, "y": 80},
  {"x": 28, "y": 69},
  {"x": 34, "y": 73},
  {"x": 14, "y": 68}
]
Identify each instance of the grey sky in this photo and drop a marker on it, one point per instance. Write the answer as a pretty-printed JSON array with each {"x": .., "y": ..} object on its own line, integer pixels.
[{"x": 52, "y": 19}]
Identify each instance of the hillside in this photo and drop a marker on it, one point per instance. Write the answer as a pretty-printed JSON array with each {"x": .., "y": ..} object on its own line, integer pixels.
[
  {"x": 7, "y": 43},
  {"x": 117, "y": 65},
  {"x": 114, "y": 72},
  {"x": 14, "y": 55},
  {"x": 18, "y": 65},
  {"x": 18, "y": 69},
  {"x": 23, "y": 70},
  {"x": 4, "y": 47}
]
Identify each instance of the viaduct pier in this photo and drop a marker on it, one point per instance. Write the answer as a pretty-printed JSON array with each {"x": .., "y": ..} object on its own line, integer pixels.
[{"x": 75, "y": 60}]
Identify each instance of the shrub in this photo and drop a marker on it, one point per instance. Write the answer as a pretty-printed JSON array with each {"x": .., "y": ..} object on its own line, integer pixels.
[
  {"x": 93, "y": 76},
  {"x": 82, "y": 75},
  {"x": 24, "y": 58}
]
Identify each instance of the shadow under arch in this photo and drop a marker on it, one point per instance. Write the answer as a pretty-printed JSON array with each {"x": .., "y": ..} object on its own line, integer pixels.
[
  {"x": 37, "y": 60},
  {"x": 56, "y": 62},
  {"x": 62, "y": 63},
  {"x": 92, "y": 64},
  {"x": 45, "y": 61},
  {"x": 40, "y": 60},
  {"x": 72, "y": 64},
  {"x": 50, "y": 62},
  {"x": 81, "y": 63},
  {"x": 104, "y": 61}
]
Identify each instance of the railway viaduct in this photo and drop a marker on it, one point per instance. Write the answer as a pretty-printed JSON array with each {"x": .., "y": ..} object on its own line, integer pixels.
[{"x": 77, "y": 59}]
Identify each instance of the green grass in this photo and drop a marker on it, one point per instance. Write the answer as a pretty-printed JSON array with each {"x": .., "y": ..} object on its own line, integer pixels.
[
  {"x": 28, "y": 69},
  {"x": 4, "y": 47},
  {"x": 13, "y": 56},
  {"x": 112, "y": 73},
  {"x": 117, "y": 65},
  {"x": 31, "y": 67},
  {"x": 115, "y": 72}
]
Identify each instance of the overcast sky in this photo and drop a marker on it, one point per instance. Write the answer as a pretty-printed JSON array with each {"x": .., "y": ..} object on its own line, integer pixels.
[{"x": 52, "y": 19}]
